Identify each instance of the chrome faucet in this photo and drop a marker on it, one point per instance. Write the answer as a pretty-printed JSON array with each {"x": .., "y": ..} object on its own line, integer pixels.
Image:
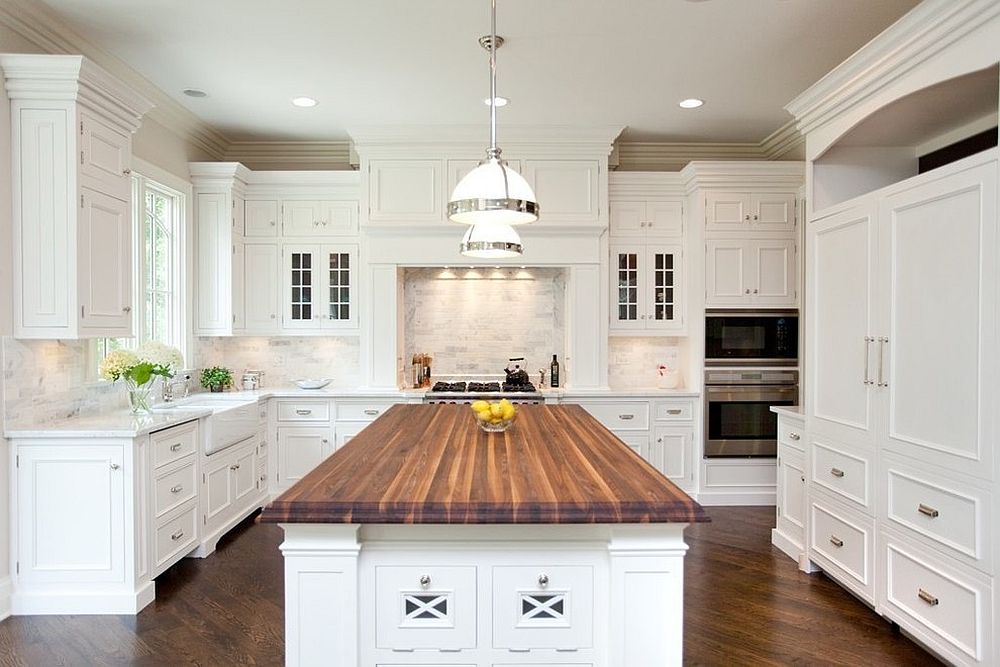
[{"x": 169, "y": 386}]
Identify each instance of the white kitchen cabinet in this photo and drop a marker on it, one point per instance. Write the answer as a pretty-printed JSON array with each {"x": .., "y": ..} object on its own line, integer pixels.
[
  {"x": 749, "y": 212},
  {"x": 750, "y": 272},
  {"x": 317, "y": 218},
  {"x": 789, "y": 533},
  {"x": 219, "y": 273},
  {"x": 300, "y": 449},
  {"x": 568, "y": 191},
  {"x": 646, "y": 288},
  {"x": 260, "y": 218},
  {"x": 651, "y": 219},
  {"x": 405, "y": 191},
  {"x": 671, "y": 453},
  {"x": 456, "y": 170},
  {"x": 261, "y": 284},
  {"x": 319, "y": 287},
  {"x": 71, "y": 128}
]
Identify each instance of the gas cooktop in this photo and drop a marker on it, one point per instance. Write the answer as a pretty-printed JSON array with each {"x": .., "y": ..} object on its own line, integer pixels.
[{"x": 483, "y": 388}]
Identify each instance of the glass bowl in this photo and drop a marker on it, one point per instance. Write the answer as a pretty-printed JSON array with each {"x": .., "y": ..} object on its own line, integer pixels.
[{"x": 499, "y": 427}]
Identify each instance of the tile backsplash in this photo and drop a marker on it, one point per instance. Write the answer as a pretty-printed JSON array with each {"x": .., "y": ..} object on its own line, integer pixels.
[
  {"x": 284, "y": 359},
  {"x": 472, "y": 320},
  {"x": 633, "y": 360}
]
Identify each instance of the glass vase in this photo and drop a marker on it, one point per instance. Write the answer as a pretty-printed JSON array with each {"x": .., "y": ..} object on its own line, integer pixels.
[{"x": 139, "y": 399}]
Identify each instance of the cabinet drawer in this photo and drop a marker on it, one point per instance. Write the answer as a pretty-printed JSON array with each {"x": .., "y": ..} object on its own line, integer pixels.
[
  {"x": 791, "y": 433},
  {"x": 844, "y": 541},
  {"x": 543, "y": 607},
  {"x": 176, "y": 536},
  {"x": 847, "y": 475},
  {"x": 947, "y": 609},
  {"x": 673, "y": 410},
  {"x": 362, "y": 411},
  {"x": 304, "y": 411},
  {"x": 175, "y": 443},
  {"x": 175, "y": 488},
  {"x": 953, "y": 518},
  {"x": 632, "y": 416},
  {"x": 425, "y": 607}
]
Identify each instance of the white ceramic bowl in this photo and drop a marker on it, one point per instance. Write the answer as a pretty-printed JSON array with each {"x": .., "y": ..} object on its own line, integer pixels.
[{"x": 312, "y": 384}]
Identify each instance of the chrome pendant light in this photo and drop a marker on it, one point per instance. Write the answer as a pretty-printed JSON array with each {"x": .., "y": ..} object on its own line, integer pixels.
[
  {"x": 493, "y": 193},
  {"x": 491, "y": 242}
]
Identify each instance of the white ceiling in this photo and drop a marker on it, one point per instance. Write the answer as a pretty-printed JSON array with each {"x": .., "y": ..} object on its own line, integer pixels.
[{"x": 566, "y": 62}]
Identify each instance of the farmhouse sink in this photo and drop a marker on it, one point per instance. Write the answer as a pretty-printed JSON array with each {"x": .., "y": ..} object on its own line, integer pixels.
[{"x": 233, "y": 420}]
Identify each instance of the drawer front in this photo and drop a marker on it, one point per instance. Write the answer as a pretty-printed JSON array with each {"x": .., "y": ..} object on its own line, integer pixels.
[
  {"x": 175, "y": 443},
  {"x": 954, "y": 518},
  {"x": 543, "y": 607},
  {"x": 845, "y": 542},
  {"x": 175, "y": 488},
  {"x": 425, "y": 608},
  {"x": 847, "y": 475},
  {"x": 304, "y": 411},
  {"x": 791, "y": 433},
  {"x": 673, "y": 410},
  {"x": 954, "y": 609},
  {"x": 362, "y": 411},
  {"x": 177, "y": 536},
  {"x": 631, "y": 416}
]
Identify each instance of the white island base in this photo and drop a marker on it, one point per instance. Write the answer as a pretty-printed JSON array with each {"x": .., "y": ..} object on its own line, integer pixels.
[{"x": 575, "y": 595}]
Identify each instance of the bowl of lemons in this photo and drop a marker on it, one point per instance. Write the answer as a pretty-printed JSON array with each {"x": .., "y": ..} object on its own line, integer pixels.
[{"x": 494, "y": 417}]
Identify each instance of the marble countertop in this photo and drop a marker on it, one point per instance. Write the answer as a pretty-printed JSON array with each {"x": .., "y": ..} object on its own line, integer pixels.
[{"x": 788, "y": 410}]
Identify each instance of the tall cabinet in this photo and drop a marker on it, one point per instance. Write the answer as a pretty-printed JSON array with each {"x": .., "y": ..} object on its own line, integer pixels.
[{"x": 71, "y": 140}]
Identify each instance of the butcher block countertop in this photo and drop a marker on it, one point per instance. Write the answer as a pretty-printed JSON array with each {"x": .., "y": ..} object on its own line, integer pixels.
[{"x": 432, "y": 464}]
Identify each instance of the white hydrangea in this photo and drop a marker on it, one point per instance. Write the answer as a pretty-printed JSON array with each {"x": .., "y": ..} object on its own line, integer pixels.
[
  {"x": 156, "y": 353},
  {"x": 118, "y": 363}
]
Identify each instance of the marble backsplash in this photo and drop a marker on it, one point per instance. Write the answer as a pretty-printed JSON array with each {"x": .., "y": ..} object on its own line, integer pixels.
[
  {"x": 284, "y": 359},
  {"x": 633, "y": 360}
]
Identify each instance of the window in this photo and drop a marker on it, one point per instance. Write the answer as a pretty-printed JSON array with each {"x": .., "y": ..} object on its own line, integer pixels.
[{"x": 158, "y": 219}]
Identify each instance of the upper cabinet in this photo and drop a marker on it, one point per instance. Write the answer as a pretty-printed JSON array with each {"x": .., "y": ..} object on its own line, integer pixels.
[
  {"x": 71, "y": 132},
  {"x": 751, "y": 272},
  {"x": 568, "y": 191},
  {"x": 753, "y": 212},
  {"x": 646, "y": 289},
  {"x": 646, "y": 219},
  {"x": 406, "y": 191}
]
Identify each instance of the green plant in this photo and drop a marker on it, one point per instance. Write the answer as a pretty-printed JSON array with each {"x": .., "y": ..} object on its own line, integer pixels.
[{"x": 216, "y": 376}]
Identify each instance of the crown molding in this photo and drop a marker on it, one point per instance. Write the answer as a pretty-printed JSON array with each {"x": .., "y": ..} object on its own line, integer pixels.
[
  {"x": 35, "y": 23},
  {"x": 921, "y": 34},
  {"x": 264, "y": 155},
  {"x": 769, "y": 175},
  {"x": 219, "y": 176}
]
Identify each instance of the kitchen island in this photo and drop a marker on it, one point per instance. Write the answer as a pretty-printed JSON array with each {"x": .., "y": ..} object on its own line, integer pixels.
[{"x": 426, "y": 541}]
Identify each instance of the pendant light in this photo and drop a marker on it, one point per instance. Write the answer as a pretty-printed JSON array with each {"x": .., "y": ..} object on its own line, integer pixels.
[
  {"x": 493, "y": 193},
  {"x": 491, "y": 242}
]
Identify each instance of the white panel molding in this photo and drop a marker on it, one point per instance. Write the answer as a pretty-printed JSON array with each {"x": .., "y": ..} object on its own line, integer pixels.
[
  {"x": 773, "y": 176},
  {"x": 4, "y": 597},
  {"x": 333, "y": 155}
]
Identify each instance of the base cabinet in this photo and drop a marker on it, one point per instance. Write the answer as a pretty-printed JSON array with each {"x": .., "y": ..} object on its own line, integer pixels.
[
  {"x": 300, "y": 449},
  {"x": 230, "y": 490}
]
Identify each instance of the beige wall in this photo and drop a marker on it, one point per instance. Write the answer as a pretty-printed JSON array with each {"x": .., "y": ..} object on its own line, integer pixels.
[{"x": 159, "y": 146}]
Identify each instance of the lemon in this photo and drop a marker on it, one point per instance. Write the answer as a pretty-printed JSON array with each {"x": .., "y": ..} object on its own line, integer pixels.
[
  {"x": 496, "y": 409},
  {"x": 479, "y": 406},
  {"x": 507, "y": 410}
]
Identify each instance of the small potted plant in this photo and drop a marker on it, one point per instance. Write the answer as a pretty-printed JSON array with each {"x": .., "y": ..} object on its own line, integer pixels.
[
  {"x": 138, "y": 368},
  {"x": 216, "y": 378}
]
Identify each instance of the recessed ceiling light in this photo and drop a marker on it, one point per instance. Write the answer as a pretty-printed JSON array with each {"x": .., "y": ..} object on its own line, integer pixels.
[
  {"x": 194, "y": 92},
  {"x": 691, "y": 103},
  {"x": 304, "y": 102},
  {"x": 501, "y": 101}
]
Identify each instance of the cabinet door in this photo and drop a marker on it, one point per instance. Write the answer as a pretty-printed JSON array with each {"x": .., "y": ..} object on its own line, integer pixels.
[
  {"x": 726, "y": 273},
  {"x": 300, "y": 449},
  {"x": 841, "y": 282},
  {"x": 219, "y": 489},
  {"x": 260, "y": 218},
  {"x": 347, "y": 430},
  {"x": 936, "y": 364},
  {"x": 71, "y": 513},
  {"x": 340, "y": 289},
  {"x": 105, "y": 266},
  {"x": 664, "y": 219},
  {"x": 261, "y": 281},
  {"x": 339, "y": 218},
  {"x": 105, "y": 156},
  {"x": 791, "y": 499},
  {"x": 214, "y": 251},
  {"x": 567, "y": 190},
  {"x": 774, "y": 274},
  {"x": 301, "y": 287},
  {"x": 772, "y": 212},
  {"x": 627, "y": 297},
  {"x": 727, "y": 211},
  {"x": 663, "y": 278},
  {"x": 245, "y": 476},
  {"x": 627, "y": 218},
  {"x": 301, "y": 218},
  {"x": 405, "y": 191},
  {"x": 670, "y": 453}
]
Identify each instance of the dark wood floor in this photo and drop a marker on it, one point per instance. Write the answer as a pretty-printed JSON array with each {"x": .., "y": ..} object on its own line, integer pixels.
[{"x": 746, "y": 604}]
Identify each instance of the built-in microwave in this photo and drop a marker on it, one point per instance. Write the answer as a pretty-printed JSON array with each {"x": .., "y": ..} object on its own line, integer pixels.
[{"x": 751, "y": 337}]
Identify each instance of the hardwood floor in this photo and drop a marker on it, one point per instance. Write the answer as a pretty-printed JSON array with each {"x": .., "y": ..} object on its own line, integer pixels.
[{"x": 746, "y": 604}]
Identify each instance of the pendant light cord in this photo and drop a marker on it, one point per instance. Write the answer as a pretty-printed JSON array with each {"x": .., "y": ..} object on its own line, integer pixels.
[{"x": 493, "y": 77}]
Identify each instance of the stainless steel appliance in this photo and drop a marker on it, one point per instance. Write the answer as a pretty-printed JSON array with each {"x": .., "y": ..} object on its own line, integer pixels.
[
  {"x": 738, "y": 417},
  {"x": 487, "y": 388},
  {"x": 751, "y": 338}
]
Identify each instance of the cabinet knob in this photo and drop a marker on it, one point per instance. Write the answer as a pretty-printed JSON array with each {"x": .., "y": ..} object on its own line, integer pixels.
[
  {"x": 127, "y": 309},
  {"x": 272, "y": 223},
  {"x": 176, "y": 489},
  {"x": 115, "y": 466},
  {"x": 754, "y": 290},
  {"x": 746, "y": 291},
  {"x": 747, "y": 217},
  {"x": 272, "y": 316},
  {"x": 425, "y": 580},
  {"x": 659, "y": 440},
  {"x": 755, "y": 218},
  {"x": 126, "y": 172},
  {"x": 794, "y": 436},
  {"x": 642, "y": 224},
  {"x": 178, "y": 535},
  {"x": 176, "y": 447},
  {"x": 326, "y": 441},
  {"x": 543, "y": 580}
]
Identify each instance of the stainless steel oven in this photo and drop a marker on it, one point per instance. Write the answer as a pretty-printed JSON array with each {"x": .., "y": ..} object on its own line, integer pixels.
[
  {"x": 738, "y": 417},
  {"x": 751, "y": 337}
]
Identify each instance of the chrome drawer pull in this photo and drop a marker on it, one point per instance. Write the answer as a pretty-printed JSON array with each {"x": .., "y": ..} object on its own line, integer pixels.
[
  {"x": 927, "y": 597},
  {"x": 927, "y": 511},
  {"x": 626, "y": 417},
  {"x": 674, "y": 411},
  {"x": 371, "y": 413},
  {"x": 425, "y": 580},
  {"x": 178, "y": 535},
  {"x": 176, "y": 447},
  {"x": 303, "y": 412},
  {"x": 836, "y": 541},
  {"x": 836, "y": 472},
  {"x": 794, "y": 436},
  {"x": 176, "y": 489},
  {"x": 543, "y": 580}
]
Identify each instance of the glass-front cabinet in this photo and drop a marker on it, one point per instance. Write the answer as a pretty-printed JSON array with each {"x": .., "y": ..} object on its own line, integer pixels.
[
  {"x": 320, "y": 286},
  {"x": 646, "y": 288}
]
